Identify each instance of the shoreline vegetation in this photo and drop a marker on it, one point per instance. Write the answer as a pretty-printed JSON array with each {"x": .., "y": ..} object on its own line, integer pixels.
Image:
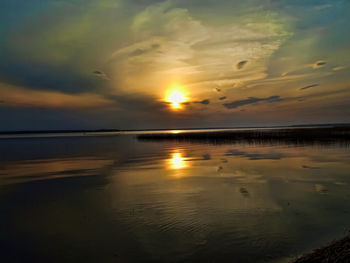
[
  {"x": 55, "y": 131},
  {"x": 336, "y": 252},
  {"x": 15, "y": 132},
  {"x": 313, "y": 135}
]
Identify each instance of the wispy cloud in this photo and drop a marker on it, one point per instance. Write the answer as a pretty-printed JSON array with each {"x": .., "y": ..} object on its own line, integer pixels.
[
  {"x": 251, "y": 100},
  {"x": 241, "y": 64},
  {"x": 127, "y": 54},
  {"x": 171, "y": 44},
  {"x": 338, "y": 68},
  {"x": 101, "y": 74},
  {"x": 319, "y": 64},
  {"x": 139, "y": 52},
  {"x": 309, "y": 86},
  {"x": 14, "y": 96},
  {"x": 204, "y": 102}
]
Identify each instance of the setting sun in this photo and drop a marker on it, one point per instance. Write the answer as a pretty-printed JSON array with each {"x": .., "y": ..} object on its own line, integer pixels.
[{"x": 176, "y": 96}]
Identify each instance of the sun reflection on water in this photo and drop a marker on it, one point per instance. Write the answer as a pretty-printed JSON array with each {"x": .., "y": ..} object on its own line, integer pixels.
[{"x": 177, "y": 161}]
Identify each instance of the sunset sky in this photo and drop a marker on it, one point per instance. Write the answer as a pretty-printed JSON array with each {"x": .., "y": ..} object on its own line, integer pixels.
[{"x": 134, "y": 64}]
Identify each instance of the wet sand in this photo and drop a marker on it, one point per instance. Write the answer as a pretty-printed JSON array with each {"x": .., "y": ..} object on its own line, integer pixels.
[{"x": 337, "y": 251}]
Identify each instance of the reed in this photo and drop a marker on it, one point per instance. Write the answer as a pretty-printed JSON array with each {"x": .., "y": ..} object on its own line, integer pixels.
[{"x": 319, "y": 135}]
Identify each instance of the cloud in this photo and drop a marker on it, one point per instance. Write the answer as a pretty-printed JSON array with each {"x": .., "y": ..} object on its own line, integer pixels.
[
  {"x": 15, "y": 96},
  {"x": 325, "y": 94},
  {"x": 241, "y": 64},
  {"x": 322, "y": 7},
  {"x": 139, "y": 51},
  {"x": 310, "y": 167},
  {"x": 206, "y": 157},
  {"x": 319, "y": 64},
  {"x": 309, "y": 86},
  {"x": 204, "y": 102},
  {"x": 338, "y": 68},
  {"x": 139, "y": 102},
  {"x": 222, "y": 98},
  {"x": 191, "y": 51},
  {"x": 321, "y": 189},
  {"x": 251, "y": 100},
  {"x": 101, "y": 75}
]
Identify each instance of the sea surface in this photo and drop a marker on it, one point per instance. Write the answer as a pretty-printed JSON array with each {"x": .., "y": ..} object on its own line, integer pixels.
[{"x": 114, "y": 198}]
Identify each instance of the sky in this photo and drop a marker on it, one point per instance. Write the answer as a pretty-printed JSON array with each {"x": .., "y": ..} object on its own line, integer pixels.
[{"x": 148, "y": 64}]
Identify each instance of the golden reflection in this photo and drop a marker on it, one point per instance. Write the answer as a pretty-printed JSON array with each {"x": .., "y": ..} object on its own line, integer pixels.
[
  {"x": 177, "y": 161},
  {"x": 176, "y": 96}
]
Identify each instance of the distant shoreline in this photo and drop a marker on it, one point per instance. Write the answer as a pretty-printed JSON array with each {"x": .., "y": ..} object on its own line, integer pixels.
[
  {"x": 56, "y": 131},
  {"x": 18, "y": 132}
]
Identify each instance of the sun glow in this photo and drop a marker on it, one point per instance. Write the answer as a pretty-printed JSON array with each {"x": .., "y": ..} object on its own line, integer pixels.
[{"x": 176, "y": 96}]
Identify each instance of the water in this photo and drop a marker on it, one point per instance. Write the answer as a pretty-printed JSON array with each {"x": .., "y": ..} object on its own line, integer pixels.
[{"x": 117, "y": 199}]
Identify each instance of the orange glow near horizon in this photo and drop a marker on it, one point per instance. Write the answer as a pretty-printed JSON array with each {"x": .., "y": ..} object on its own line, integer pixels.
[{"x": 176, "y": 96}]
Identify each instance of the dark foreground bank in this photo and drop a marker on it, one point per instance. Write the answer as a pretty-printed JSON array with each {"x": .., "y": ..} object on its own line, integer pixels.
[
  {"x": 337, "y": 251},
  {"x": 313, "y": 135}
]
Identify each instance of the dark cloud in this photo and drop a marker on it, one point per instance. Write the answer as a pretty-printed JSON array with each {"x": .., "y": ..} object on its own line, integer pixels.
[
  {"x": 138, "y": 52},
  {"x": 319, "y": 64},
  {"x": 204, "y": 102},
  {"x": 244, "y": 192},
  {"x": 139, "y": 103},
  {"x": 222, "y": 98},
  {"x": 45, "y": 77},
  {"x": 321, "y": 189},
  {"x": 309, "y": 86},
  {"x": 250, "y": 100},
  {"x": 206, "y": 157},
  {"x": 241, "y": 64},
  {"x": 255, "y": 156},
  {"x": 101, "y": 74},
  {"x": 310, "y": 167}
]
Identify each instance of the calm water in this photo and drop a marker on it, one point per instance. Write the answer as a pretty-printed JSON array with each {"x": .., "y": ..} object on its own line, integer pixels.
[{"x": 117, "y": 199}]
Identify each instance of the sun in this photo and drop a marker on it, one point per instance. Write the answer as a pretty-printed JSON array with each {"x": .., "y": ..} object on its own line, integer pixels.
[{"x": 176, "y": 96}]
